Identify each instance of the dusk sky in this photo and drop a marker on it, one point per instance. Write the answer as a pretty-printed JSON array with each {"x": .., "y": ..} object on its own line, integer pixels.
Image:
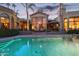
[{"x": 52, "y": 14}]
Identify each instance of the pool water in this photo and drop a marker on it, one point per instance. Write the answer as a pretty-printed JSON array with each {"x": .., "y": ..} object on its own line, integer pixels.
[{"x": 39, "y": 46}]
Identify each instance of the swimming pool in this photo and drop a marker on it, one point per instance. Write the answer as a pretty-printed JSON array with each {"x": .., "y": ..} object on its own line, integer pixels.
[{"x": 39, "y": 46}]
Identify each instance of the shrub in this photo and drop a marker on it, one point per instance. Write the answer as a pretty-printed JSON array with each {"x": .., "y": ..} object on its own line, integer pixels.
[
  {"x": 73, "y": 31},
  {"x": 8, "y": 32}
]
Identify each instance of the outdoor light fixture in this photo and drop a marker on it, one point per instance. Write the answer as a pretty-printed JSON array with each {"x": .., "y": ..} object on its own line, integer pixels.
[{"x": 2, "y": 18}]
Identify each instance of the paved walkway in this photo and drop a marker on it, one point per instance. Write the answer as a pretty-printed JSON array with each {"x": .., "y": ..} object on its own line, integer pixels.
[
  {"x": 35, "y": 35},
  {"x": 39, "y": 33}
]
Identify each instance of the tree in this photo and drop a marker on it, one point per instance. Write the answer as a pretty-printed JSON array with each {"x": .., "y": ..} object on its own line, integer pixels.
[
  {"x": 17, "y": 13},
  {"x": 8, "y": 5},
  {"x": 61, "y": 13},
  {"x": 14, "y": 6},
  {"x": 51, "y": 7},
  {"x": 27, "y": 7}
]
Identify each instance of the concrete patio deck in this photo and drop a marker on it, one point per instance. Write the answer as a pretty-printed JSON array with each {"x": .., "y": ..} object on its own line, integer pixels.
[
  {"x": 40, "y": 34},
  {"x": 37, "y": 35}
]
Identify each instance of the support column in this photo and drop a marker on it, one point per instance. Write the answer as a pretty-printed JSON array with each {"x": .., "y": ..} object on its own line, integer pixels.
[
  {"x": 46, "y": 26},
  {"x": 10, "y": 23},
  {"x": 20, "y": 25},
  {"x": 61, "y": 16},
  {"x": 27, "y": 25},
  {"x": 46, "y": 23},
  {"x": 0, "y": 23},
  {"x": 61, "y": 25},
  {"x": 67, "y": 23}
]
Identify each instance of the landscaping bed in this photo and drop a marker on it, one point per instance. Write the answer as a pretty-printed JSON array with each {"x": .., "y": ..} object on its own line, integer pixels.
[
  {"x": 73, "y": 32},
  {"x": 8, "y": 32}
]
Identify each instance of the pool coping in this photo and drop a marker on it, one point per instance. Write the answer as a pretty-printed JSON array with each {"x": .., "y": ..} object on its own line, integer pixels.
[{"x": 54, "y": 36}]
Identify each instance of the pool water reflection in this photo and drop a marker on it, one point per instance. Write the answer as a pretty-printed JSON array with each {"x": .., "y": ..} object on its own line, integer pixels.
[{"x": 39, "y": 46}]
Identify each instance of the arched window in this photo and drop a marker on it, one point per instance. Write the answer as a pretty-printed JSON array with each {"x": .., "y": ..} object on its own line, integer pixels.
[
  {"x": 4, "y": 20},
  {"x": 4, "y": 15}
]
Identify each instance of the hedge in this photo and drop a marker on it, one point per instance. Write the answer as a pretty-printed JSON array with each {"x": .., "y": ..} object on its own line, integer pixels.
[
  {"x": 73, "y": 31},
  {"x": 8, "y": 32}
]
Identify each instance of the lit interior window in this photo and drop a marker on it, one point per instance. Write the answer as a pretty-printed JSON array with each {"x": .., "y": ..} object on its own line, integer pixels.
[
  {"x": 77, "y": 19},
  {"x": 77, "y": 25},
  {"x": 5, "y": 22},
  {"x": 71, "y": 19},
  {"x": 65, "y": 20},
  {"x": 73, "y": 23}
]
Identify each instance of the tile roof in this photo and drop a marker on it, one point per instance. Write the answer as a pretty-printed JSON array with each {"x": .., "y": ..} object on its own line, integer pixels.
[
  {"x": 6, "y": 9},
  {"x": 39, "y": 13}
]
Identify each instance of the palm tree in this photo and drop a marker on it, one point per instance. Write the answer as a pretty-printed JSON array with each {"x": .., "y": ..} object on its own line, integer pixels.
[
  {"x": 17, "y": 13},
  {"x": 27, "y": 7},
  {"x": 61, "y": 13},
  {"x": 8, "y": 5},
  {"x": 14, "y": 6},
  {"x": 50, "y": 7}
]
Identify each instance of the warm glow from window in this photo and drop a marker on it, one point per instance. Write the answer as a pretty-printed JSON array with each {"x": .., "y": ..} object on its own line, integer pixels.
[
  {"x": 77, "y": 19},
  {"x": 2, "y": 18},
  {"x": 65, "y": 20},
  {"x": 71, "y": 19},
  {"x": 33, "y": 27},
  {"x": 73, "y": 23},
  {"x": 39, "y": 23},
  {"x": 5, "y": 22},
  {"x": 77, "y": 25}
]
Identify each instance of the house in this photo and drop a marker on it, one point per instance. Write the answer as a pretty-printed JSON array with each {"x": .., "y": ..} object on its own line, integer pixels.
[
  {"x": 39, "y": 21},
  {"x": 8, "y": 18}
]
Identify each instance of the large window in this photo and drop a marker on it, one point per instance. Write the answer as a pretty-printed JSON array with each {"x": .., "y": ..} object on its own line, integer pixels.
[
  {"x": 71, "y": 19},
  {"x": 72, "y": 24},
  {"x": 77, "y": 22},
  {"x": 4, "y": 19},
  {"x": 39, "y": 23}
]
